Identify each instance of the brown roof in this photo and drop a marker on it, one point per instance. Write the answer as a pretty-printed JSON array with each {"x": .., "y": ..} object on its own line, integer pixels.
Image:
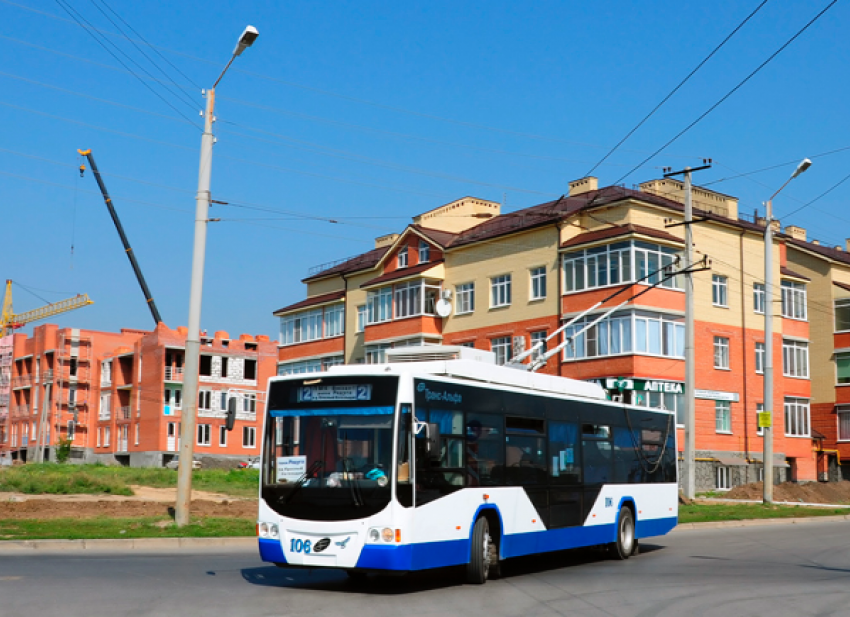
[
  {"x": 441, "y": 238},
  {"x": 827, "y": 251},
  {"x": 401, "y": 273},
  {"x": 620, "y": 230},
  {"x": 843, "y": 286},
  {"x": 360, "y": 262},
  {"x": 315, "y": 300},
  {"x": 789, "y": 272}
]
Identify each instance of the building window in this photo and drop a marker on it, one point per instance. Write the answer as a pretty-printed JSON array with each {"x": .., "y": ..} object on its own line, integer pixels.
[
  {"x": 105, "y": 406},
  {"x": 106, "y": 372},
  {"x": 424, "y": 252},
  {"x": 793, "y": 300},
  {"x": 538, "y": 283},
  {"x": 465, "y": 298},
  {"x": 301, "y": 327},
  {"x": 408, "y": 299},
  {"x": 842, "y": 315},
  {"x": 718, "y": 290},
  {"x": 377, "y": 354},
  {"x": 249, "y": 403},
  {"x": 379, "y": 305},
  {"x": 796, "y": 417},
  {"x": 621, "y": 262},
  {"x": 758, "y": 298},
  {"x": 402, "y": 257},
  {"x": 137, "y": 435},
  {"x": 500, "y": 288},
  {"x": 334, "y": 320},
  {"x": 502, "y": 348},
  {"x": 538, "y": 337},
  {"x": 641, "y": 331},
  {"x": 721, "y": 352},
  {"x": 671, "y": 401},
  {"x": 842, "y": 367},
  {"x": 843, "y": 412},
  {"x": 361, "y": 318},
  {"x": 723, "y": 416},
  {"x": 107, "y": 434},
  {"x": 222, "y": 436},
  {"x": 204, "y": 400},
  {"x": 296, "y": 368},
  {"x": 795, "y": 359},
  {"x": 722, "y": 482},
  {"x": 249, "y": 436},
  {"x": 204, "y": 432},
  {"x": 98, "y": 437},
  {"x": 72, "y": 431},
  {"x": 759, "y": 409},
  {"x": 759, "y": 357}
]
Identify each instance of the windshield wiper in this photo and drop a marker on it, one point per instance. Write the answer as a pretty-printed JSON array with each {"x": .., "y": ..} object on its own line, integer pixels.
[
  {"x": 356, "y": 496},
  {"x": 300, "y": 481}
]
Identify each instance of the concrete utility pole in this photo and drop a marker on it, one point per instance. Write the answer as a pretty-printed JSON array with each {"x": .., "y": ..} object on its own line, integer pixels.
[
  {"x": 766, "y": 418},
  {"x": 689, "y": 462},
  {"x": 193, "y": 344}
]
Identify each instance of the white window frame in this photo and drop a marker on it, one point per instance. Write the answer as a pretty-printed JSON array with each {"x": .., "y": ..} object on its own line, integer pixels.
[
  {"x": 841, "y": 357},
  {"x": 503, "y": 348},
  {"x": 500, "y": 291},
  {"x": 301, "y": 327},
  {"x": 361, "y": 318},
  {"x": 204, "y": 435},
  {"x": 222, "y": 436},
  {"x": 723, "y": 417},
  {"x": 722, "y": 481},
  {"x": 797, "y": 417},
  {"x": 618, "y": 263},
  {"x": 760, "y": 351},
  {"x": 205, "y": 400},
  {"x": 379, "y": 305},
  {"x": 795, "y": 359},
  {"x": 424, "y": 252},
  {"x": 842, "y": 304},
  {"x": 107, "y": 436},
  {"x": 300, "y": 366},
  {"x": 633, "y": 332},
  {"x": 720, "y": 290},
  {"x": 794, "y": 298},
  {"x": 721, "y": 353},
  {"x": 843, "y": 412},
  {"x": 538, "y": 283},
  {"x": 759, "y": 409},
  {"x": 403, "y": 257},
  {"x": 758, "y": 298},
  {"x": 465, "y": 298},
  {"x": 334, "y": 320},
  {"x": 538, "y": 336},
  {"x": 136, "y": 434},
  {"x": 249, "y": 437},
  {"x": 408, "y": 298}
]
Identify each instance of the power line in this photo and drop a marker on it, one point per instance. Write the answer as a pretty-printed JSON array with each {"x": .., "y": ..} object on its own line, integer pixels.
[
  {"x": 69, "y": 10},
  {"x": 728, "y": 94},
  {"x": 676, "y": 89}
]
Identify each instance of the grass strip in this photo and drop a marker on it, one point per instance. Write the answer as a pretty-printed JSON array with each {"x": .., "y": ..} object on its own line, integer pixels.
[
  {"x": 122, "y": 528},
  {"x": 55, "y": 479},
  {"x": 709, "y": 513}
]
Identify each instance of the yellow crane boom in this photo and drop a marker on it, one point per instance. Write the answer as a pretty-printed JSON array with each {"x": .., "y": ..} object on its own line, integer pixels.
[{"x": 10, "y": 321}]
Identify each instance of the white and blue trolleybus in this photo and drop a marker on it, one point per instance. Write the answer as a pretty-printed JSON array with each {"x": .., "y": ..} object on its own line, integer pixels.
[{"x": 442, "y": 458}]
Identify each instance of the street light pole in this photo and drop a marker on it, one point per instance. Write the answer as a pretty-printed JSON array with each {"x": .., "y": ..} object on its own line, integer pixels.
[
  {"x": 767, "y": 406},
  {"x": 193, "y": 344}
]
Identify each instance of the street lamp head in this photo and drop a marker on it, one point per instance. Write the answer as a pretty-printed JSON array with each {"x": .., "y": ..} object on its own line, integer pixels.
[
  {"x": 246, "y": 40},
  {"x": 803, "y": 166}
]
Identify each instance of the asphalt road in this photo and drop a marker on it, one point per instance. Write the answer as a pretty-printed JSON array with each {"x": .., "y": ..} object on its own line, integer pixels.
[{"x": 772, "y": 570}]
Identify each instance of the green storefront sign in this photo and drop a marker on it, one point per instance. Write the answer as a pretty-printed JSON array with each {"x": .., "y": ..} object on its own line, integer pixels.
[{"x": 644, "y": 385}]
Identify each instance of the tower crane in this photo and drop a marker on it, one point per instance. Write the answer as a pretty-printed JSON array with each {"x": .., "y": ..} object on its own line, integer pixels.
[
  {"x": 106, "y": 198},
  {"x": 10, "y": 321}
]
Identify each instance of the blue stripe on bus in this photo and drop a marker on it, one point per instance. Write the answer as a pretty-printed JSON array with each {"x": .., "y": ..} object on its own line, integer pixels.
[
  {"x": 332, "y": 411},
  {"x": 272, "y": 551},
  {"x": 427, "y": 555}
]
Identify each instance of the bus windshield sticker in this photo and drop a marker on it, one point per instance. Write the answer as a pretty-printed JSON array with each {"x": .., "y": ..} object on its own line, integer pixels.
[
  {"x": 291, "y": 468},
  {"x": 312, "y": 394}
]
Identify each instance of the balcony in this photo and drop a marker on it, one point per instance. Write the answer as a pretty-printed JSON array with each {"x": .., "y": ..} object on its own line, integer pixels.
[
  {"x": 125, "y": 413},
  {"x": 20, "y": 410},
  {"x": 22, "y": 381},
  {"x": 47, "y": 376},
  {"x": 173, "y": 373}
]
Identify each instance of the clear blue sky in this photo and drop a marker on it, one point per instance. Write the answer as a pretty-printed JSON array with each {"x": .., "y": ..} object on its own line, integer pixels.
[{"x": 369, "y": 113}]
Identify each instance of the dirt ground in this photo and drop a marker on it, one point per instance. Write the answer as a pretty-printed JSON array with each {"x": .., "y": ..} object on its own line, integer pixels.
[
  {"x": 147, "y": 501},
  {"x": 810, "y": 492}
]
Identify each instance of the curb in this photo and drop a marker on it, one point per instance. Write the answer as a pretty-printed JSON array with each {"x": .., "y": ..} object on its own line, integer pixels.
[
  {"x": 160, "y": 544},
  {"x": 149, "y": 544}
]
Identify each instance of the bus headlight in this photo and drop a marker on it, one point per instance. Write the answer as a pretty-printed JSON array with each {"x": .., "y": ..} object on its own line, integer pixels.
[
  {"x": 273, "y": 531},
  {"x": 387, "y": 534},
  {"x": 374, "y": 535},
  {"x": 264, "y": 530}
]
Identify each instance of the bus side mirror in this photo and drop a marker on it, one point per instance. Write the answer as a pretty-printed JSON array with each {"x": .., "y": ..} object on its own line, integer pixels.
[{"x": 231, "y": 413}]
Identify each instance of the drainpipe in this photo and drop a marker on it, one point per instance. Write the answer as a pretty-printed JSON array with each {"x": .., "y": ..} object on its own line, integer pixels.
[
  {"x": 344, "y": 319},
  {"x": 744, "y": 347}
]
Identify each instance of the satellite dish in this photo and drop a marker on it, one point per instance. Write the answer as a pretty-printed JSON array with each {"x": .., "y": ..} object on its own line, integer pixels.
[{"x": 443, "y": 307}]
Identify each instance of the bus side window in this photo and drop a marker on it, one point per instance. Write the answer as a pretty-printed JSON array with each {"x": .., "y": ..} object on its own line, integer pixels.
[
  {"x": 405, "y": 445},
  {"x": 627, "y": 464},
  {"x": 596, "y": 453},
  {"x": 485, "y": 450},
  {"x": 565, "y": 465},
  {"x": 451, "y": 434}
]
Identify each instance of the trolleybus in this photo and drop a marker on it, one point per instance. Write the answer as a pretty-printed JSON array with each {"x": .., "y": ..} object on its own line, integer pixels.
[{"x": 442, "y": 458}]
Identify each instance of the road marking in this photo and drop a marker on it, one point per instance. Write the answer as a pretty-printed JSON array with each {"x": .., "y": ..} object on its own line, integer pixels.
[{"x": 10, "y": 578}]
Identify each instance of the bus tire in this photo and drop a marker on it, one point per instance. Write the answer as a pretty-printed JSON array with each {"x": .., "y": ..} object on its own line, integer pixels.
[
  {"x": 625, "y": 544},
  {"x": 478, "y": 568}
]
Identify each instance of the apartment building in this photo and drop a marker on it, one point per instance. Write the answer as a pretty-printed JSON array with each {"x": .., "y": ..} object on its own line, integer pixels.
[
  {"x": 513, "y": 279},
  {"x": 117, "y": 396}
]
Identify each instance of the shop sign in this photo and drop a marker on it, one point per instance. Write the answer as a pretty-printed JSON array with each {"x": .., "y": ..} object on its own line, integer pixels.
[
  {"x": 716, "y": 395},
  {"x": 644, "y": 385}
]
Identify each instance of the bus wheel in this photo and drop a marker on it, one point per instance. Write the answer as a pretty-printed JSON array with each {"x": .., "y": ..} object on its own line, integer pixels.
[
  {"x": 624, "y": 547},
  {"x": 479, "y": 559}
]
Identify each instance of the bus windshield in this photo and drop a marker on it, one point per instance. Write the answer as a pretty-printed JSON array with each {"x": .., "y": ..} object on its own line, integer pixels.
[{"x": 328, "y": 449}]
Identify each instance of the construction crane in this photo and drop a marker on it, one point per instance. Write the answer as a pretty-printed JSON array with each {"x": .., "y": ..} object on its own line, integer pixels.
[
  {"x": 10, "y": 321},
  {"x": 148, "y": 298}
]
